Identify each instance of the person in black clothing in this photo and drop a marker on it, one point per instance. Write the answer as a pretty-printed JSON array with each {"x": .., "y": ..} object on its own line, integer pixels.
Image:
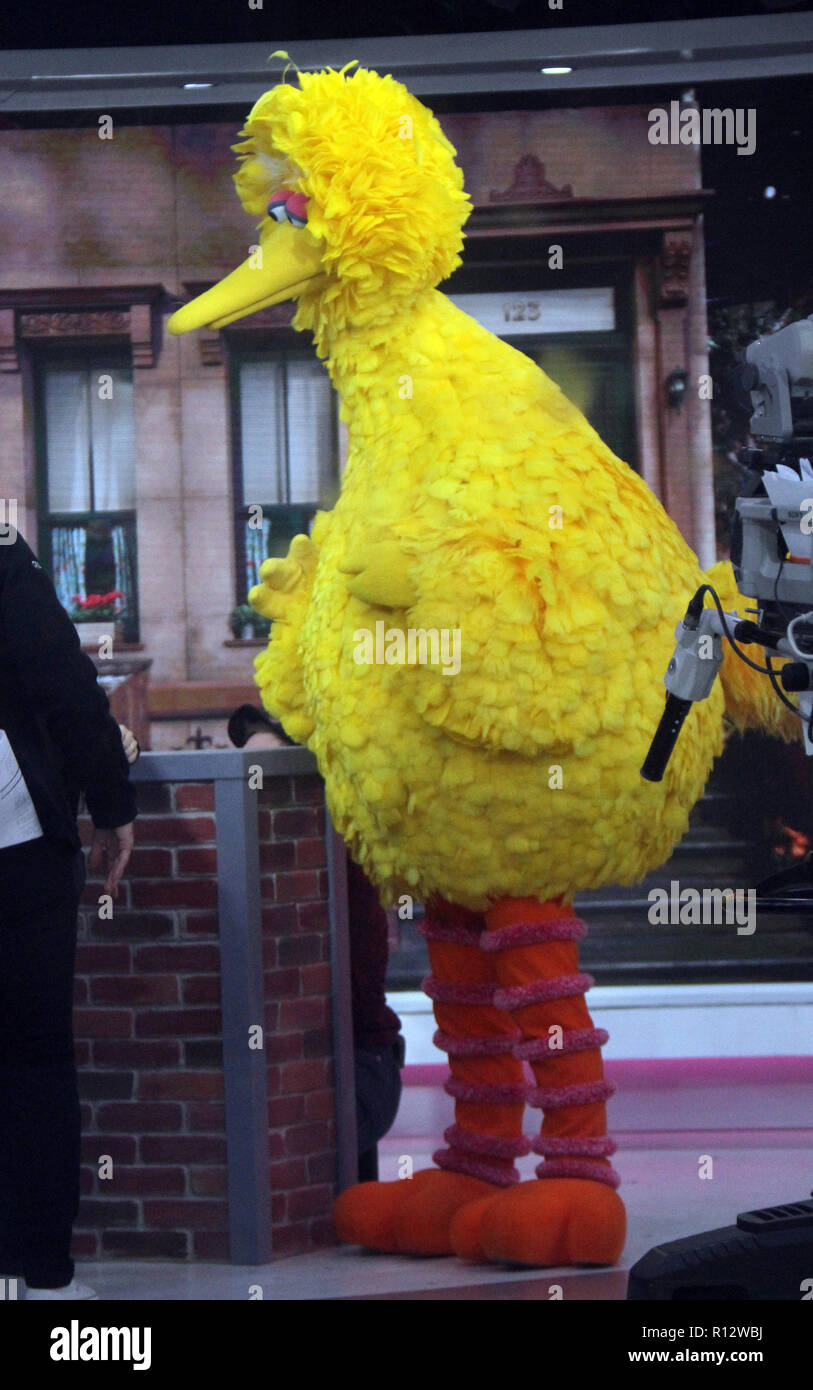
[
  {"x": 57, "y": 720},
  {"x": 377, "y": 1038}
]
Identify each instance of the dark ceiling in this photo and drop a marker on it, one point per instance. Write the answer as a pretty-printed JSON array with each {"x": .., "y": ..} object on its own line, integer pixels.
[{"x": 115, "y": 23}]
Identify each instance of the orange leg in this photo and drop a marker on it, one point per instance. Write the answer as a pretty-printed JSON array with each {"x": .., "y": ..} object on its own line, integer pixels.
[{"x": 571, "y": 1214}]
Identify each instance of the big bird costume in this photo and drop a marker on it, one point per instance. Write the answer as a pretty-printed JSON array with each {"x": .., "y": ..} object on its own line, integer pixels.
[{"x": 476, "y": 499}]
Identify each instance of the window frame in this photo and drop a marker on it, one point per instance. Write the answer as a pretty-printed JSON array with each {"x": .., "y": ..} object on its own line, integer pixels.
[
  {"x": 282, "y": 345},
  {"x": 89, "y": 353}
]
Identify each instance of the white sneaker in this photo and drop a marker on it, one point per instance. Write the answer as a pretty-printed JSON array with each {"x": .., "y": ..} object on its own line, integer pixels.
[{"x": 69, "y": 1292}]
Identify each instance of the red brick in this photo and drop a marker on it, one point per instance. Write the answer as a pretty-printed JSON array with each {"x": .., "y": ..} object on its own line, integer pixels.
[
  {"x": 276, "y": 1145},
  {"x": 309, "y": 1201},
  {"x": 189, "y": 1215},
  {"x": 81, "y": 1053},
  {"x": 208, "y": 1182},
  {"x": 292, "y": 1240},
  {"x": 165, "y": 1052},
  {"x": 180, "y": 1085},
  {"x": 194, "y": 1023},
  {"x": 278, "y": 854},
  {"x": 135, "y": 989},
  {"x": 92, "y": 958},
  {"x": 80, "y": 990},
  {"x": 310, "y": 853},
  {"x": 288, "y": 1174},
  {"x": 202, "y": 923},
  {"x": 269, "y": 953},
  {"x": 175, "y": 830},
  {"x": 324, "y": 883},
  {"x": 277, "y": 983},
  {"x": 150, "y": 1245},
  {"x": 197, "y": 861},
  {"x": 287, "y": 1110},
  {"x": 322, "y": 1232},
  {"x": 211, "y": 1245},
  {"x": 201, "y": 989},
  {"x": 322, "y": 1167},
  {"x": 293, "y": 887},
  {"x": 276, "y": 791},
  {"x": 307, "y": 1139},
  {"x": 313, "y": 916},
  {"x": 207, "y": 1116},
  {"x": 284, "y": 1047},
  {"x": 309, "y": 788},
  {"x": 304, "y": 1013},
  {"x": 86, "y": 1115},
  {"x": 315, "y": 979},
  {"x": 279, "y": 1203},
  {"x": 137, "y": 1117},
  {"x": 295, "y": 825},
  {"x": 150, "y": 863},
  {"x": 268, "y": 888},
  {"x": 299, "y": 950},
  {"x": 120, "y": 1147},
  {"x": 188, "y": 892},
  {"x": 87, "y": 1181},
  {"x": 103, "y": 1023},
  {"x": 304, "y": 1076},
  {"x": 279, "y": 919},
  {"x": 182, "y": 1148},
  {"x": 85, "y": 1245},
  {"x": 194, "y": 796},
  {"x": 144, "y": 1181},
  {"x": 182, "y": 956},
  {"x": 320, "y": 1105}
]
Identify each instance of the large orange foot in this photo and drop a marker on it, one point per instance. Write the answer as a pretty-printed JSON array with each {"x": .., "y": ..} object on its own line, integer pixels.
[
  {"x": 409, "y": 1217},
  {"x": 550, "y": 1221}
]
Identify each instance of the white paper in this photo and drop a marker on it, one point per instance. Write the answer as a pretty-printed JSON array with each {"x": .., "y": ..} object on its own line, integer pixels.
[
  {"x": 19, "y": 821},
  {"x": 786, "y": 489}
]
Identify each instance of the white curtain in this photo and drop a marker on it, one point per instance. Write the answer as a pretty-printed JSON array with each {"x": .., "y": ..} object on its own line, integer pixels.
[
  {"x": 85, "y": 405},
  {"x": 111, "y": 412},
  {"x": 262, "y": 430},
  {"x": 67, "y": 429},
  {"x": 310, "y": 432}
]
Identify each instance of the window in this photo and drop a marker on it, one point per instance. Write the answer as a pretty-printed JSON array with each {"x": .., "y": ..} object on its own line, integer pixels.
[
  {"x": 573, "y": 334},
  {"x": 86, "y": 450},
  {"x": 286, "y": 453}
]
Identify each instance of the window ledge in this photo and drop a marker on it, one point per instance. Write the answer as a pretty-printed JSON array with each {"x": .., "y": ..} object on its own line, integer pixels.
[{"x": 246, "y": 642}]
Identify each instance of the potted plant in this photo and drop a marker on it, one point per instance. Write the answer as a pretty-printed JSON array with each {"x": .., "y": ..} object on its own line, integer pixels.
[
  {"x": 96, "y": 616},
  {"x": 248, "y": 625}
]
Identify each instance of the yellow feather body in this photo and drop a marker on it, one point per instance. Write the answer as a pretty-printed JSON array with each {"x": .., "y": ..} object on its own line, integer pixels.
[{"x": 515, "y": 525}]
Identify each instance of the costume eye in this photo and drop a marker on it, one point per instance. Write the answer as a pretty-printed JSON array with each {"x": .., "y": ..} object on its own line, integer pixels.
[
  {"x": 276, "y": 208},
  {"x": 295, "y": 207}
]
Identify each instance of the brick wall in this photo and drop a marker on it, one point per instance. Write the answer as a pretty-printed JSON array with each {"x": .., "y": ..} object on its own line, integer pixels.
[{"x": 148, "y": 1032}]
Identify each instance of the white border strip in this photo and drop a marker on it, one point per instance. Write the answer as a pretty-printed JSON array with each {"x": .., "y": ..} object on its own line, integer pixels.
[{"x": 659, "y": 1021}]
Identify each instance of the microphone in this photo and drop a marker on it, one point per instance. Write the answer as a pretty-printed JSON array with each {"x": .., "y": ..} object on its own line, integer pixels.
[{"x": 666, "y": 734}]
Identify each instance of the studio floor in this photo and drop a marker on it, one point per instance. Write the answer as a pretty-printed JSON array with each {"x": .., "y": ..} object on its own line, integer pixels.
[{"x": 664, "y": 1194}]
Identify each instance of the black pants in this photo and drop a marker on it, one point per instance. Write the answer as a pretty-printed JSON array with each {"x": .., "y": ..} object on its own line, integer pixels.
[
  {"x": 378, "y": 1094},
  {"x": 40, "y": 885}
]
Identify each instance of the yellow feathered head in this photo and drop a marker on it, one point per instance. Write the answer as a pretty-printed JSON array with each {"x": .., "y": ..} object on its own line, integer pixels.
[{"x": 378, "y": 205}]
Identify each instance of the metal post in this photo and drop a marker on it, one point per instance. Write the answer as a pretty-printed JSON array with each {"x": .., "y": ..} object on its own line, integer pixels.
[{"x": 241, "y": 976}]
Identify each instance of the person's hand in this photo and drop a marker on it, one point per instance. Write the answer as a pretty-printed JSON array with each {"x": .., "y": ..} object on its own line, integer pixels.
[
  {"x": 129, "y": 743},
  {"x": 111, "y": 850}
]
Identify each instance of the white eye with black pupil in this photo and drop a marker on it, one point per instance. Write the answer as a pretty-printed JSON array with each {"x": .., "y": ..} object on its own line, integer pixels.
[
  {"x": 296, "y": 221},
  {"x": 277, "y": 210}
]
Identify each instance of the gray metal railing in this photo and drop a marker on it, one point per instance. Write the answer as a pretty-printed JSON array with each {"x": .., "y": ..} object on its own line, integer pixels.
[{"x": 241, "y": 974}]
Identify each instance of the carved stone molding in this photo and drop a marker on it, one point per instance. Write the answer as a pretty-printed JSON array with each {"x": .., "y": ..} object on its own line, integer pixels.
[
  {"x": 101, "y": 312},
  {"x": 529, "y": 185},
  {"x": 675, "y": 260}
]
